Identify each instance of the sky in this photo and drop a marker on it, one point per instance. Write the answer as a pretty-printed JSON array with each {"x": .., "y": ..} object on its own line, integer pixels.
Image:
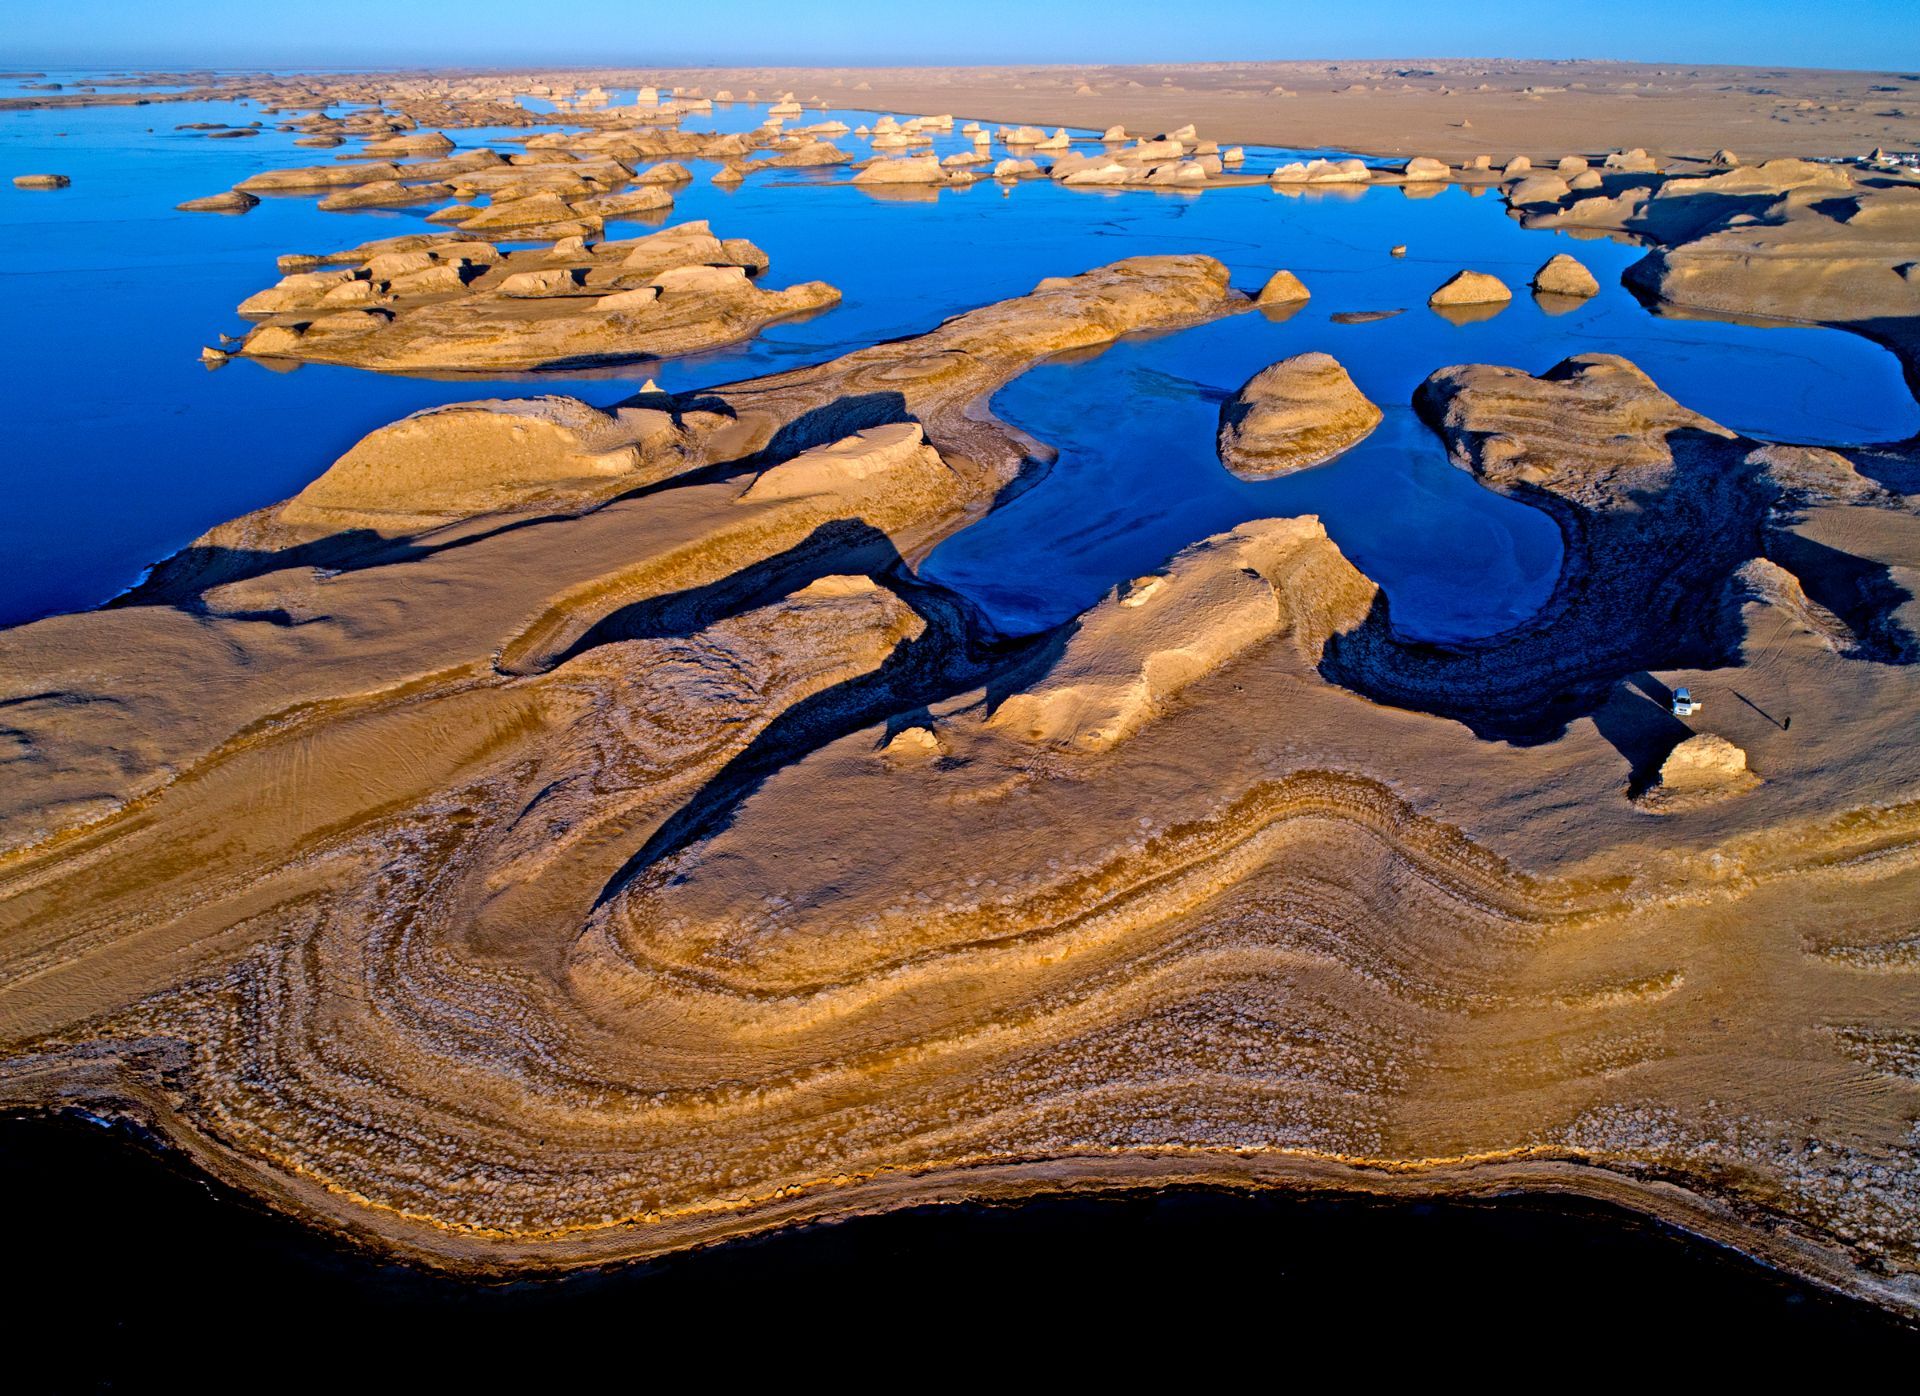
[{"x": 1867, "y": 34}]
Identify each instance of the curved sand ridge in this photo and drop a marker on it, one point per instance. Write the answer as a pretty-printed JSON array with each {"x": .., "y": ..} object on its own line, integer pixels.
[{"x": 626, "y": 853}]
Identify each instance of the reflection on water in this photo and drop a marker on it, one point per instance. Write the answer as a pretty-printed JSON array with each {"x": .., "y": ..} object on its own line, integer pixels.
[
  {"x": 122, "y": 447},
  {"x": 1138, "y": 479}
]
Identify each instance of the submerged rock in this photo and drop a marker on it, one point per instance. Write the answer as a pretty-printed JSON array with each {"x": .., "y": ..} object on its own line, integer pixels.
[
  {"x": 1297, "y": 413},
  {"x": 232, "y": 201}
]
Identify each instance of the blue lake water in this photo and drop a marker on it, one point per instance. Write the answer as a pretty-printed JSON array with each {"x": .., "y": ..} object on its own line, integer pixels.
[{"x": 121, "y": 447}]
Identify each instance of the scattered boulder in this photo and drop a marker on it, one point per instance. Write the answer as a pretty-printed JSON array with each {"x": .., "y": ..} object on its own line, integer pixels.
[
  {"x": 1635, "y": 161},
  {"x": 909, "y": 169},
  {"x": 1292, "y": 415},
  {"x": 1283, "y": 288},
  {"x": 671, "y": 172},
  {"x": 1562, "y": 275},
  {"x": 1323, "y": 172},
  {"x": 1423, "y": 168},
  {"x": 1538, "y": 189},
  {"x": 42, "y": 181},
  {"x": 1703, "y": 770},
  {"x": 1471, "y": 288}
]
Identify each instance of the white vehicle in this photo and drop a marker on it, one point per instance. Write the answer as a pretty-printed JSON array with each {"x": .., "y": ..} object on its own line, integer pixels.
[{"x": 1684, "y": 703}]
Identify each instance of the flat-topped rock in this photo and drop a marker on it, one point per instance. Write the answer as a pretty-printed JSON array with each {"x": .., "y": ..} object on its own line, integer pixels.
[
  {"x": 673, "y": 292},
  {"x": 475, "y": 458},
  {"x": 1283, "y": 288},
  {"x": 232, "y": 201}
]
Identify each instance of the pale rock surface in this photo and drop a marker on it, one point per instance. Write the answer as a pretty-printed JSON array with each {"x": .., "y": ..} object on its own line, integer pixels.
[
  {"x": 1703, "y": 770},
  {"x": 1563, "y": 275},
  {"x": 1283, "y": 288},
  {"x": 1471, "y": 288},
  {"x": 1293, "y": 415},
  {"x": 1154, "y": 637}
]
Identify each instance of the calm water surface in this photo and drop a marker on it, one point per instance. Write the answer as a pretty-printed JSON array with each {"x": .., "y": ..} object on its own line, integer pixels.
[{"x": 121, "y": 447}]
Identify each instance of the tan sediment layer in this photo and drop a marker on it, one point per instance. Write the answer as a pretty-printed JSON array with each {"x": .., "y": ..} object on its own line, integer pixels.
[{"x": 555, "y": 885}]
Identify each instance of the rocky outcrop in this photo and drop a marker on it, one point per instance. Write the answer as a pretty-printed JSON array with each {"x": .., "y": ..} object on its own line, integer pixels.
[
  {"x": 309, "y": 177},
  {"x": 1292, "y": 415},
  {"x": 673, "y": 292},
  {"x": 1470, "y": 288},
  {"x": 1657, "y": 508},
  {"x": 1803, "y": 244},
  {"x": 485, "y": 457},
  {"x": 1323, "y": 172},
  {"x": 1562, "y": 275},
  {"x": 232, "y": 201},
  {"x": 1283, "y": 288},
  {"x": 1702, "y": 770},
  {"x": 809, "y": 155},
  {"x": 42, "y": 181},
  {"x": 1156, "y": 635},
  {"x": 910, "y": 170},
  {"x": 1593, "y": 430}
]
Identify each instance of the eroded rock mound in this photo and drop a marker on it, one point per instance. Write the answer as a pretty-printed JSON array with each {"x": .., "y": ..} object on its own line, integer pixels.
[
  {"x": 1591, "y": 430},
  {"x": 465, "y": 305},
  {"x": 1160, "y": 633},
  {"x": 481, "y": 457},
  {"x": 1563, "y": 275},
  {"x": 1467, "y": 288},
  {"x": 1297, "y": 413},
  {"x": 232, "y": 201},
  {"x": 1283, "y": 288},
  {"x": 1703, "y": 770}
]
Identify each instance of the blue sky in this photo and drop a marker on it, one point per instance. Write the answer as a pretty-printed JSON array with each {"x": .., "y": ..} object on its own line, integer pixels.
[{"x": 1878, "y": 34}]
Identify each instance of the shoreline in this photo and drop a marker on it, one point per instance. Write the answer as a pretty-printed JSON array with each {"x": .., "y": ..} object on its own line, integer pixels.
[
  {"x": 170, "y": 1190},
  {"x": 499, "y": 681}
]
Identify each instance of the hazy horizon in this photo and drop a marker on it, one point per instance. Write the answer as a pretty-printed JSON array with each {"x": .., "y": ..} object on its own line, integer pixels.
[{"x": 1867, "y": 36}]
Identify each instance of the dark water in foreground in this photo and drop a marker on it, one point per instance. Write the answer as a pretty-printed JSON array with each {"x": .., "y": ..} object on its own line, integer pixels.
[{"x": 133, "y": 1268}]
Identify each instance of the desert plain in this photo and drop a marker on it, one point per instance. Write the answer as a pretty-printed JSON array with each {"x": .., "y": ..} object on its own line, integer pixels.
[{"x": 561, "y": 834}]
